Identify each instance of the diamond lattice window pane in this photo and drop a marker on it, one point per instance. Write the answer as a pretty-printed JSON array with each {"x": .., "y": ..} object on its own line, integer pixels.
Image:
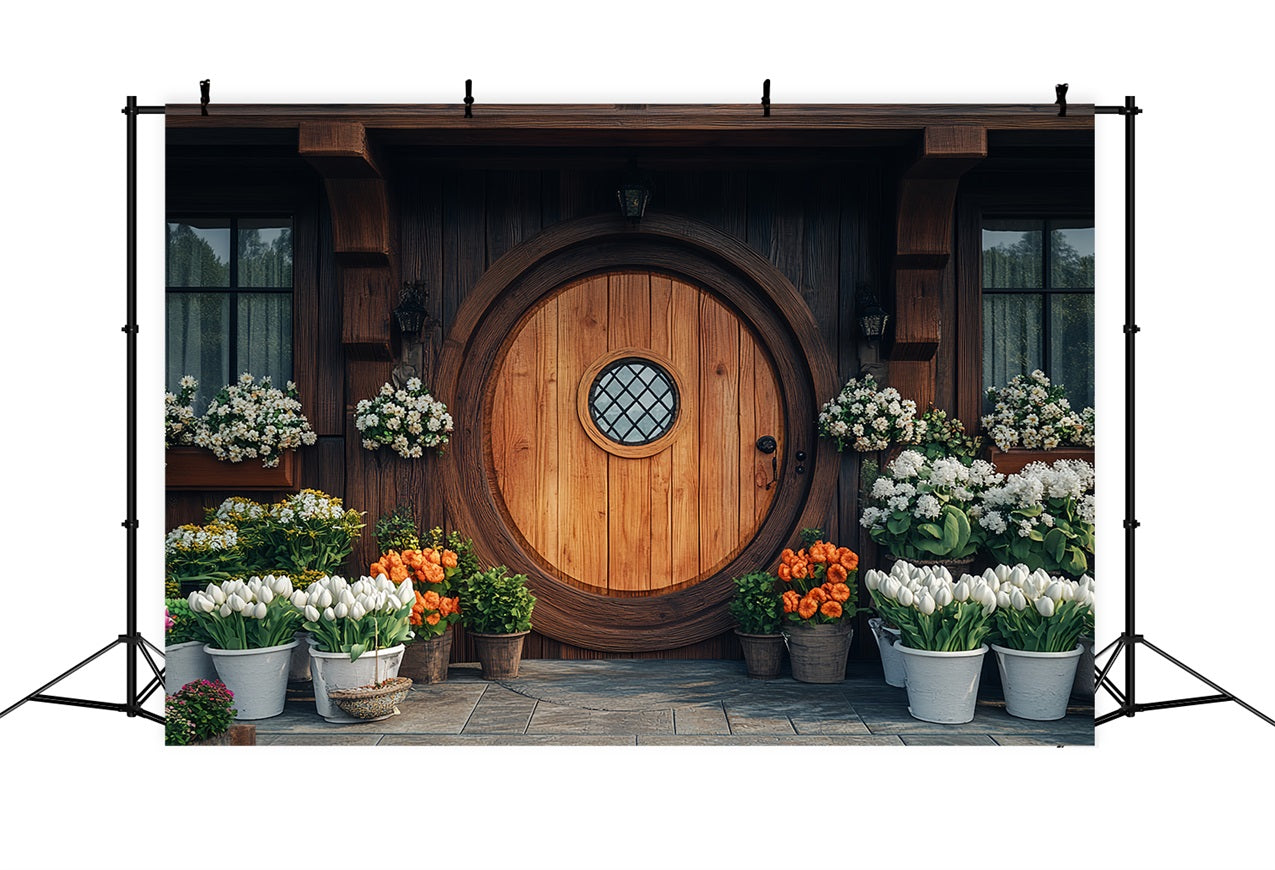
[{"x": 633, "y": 401}]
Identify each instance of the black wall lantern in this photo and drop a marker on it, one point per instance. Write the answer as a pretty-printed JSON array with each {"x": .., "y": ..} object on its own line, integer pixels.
[
  {"x": 872, "y": 317},
  {"x": 410, "y": 313},
  {"x": 634, "y": 193}
]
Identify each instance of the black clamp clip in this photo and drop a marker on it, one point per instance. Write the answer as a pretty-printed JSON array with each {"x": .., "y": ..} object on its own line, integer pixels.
[
  {"x": 765, "y": 98},
  {"x": 469, "y": 98},
  {"x": 204, "y": 86},
  {"x": 1060, "y": 99}
]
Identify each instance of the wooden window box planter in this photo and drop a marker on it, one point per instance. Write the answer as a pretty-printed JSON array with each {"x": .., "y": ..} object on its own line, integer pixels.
[
  {"x": 194, "y": 468},
  {"x": 1015, "y": 460}
]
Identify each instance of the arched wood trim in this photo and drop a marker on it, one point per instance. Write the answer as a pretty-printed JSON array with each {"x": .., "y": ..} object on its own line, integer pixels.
[{"x": 507, "y": 293}]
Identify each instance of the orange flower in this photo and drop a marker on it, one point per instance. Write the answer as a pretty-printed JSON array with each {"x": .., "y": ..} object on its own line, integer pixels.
[
  {"x": 791, "y": 600},
  {"x": 807, "y": 608},
  {"x": 849, "y": 559},
  {"x": 836, "y": 573},
  {"x": 839, "y": 592},
  {"x": 449, "y": 559},
  {"x": 434, "y": 573},
  {"x": 398, "y": 573},
  {"x": 433, "y": 618},
  {"x": 432, "y": 556},
  {"x": 430, "y": 599},
  {"x": 818, "y": 594},
  {"x": 830, "y": 609},
  {"x": 787, "y": 556},
  {"x": 800, "y": 571},
  {"x": 817, "y": 553},
  {"x": 785, "y": 574}
]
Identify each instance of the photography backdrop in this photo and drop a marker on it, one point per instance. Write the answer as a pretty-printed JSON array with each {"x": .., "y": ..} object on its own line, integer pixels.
[{"x": 1190, "y": 187}]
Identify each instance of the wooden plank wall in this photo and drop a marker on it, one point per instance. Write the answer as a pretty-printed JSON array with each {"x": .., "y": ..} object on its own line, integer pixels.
[{"x": 825, "y": 226}]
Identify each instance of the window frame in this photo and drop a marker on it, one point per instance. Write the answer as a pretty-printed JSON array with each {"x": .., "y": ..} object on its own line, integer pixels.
[
  {"x": 1008, "y": 199},
  {"x": 233, "y": 289}
]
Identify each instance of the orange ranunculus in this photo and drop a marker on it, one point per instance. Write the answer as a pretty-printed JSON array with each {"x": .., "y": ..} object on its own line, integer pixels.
[
  {"x": 787, "y": 556},
  {"x": 434, "y": 573},
  {"x": 839, "y": 592},
  {"x": 800, "y": 571},
  {"x": 817, "y": 553},
  {"x": 785, "y": 573},
  {"x": 430, "y": 599},
  {"x": 448, "y": 606},
  {"x": 449, "y": 559},
  {"x": 830, "y": 609},
  {"x": 807, "y": 607},
  {"x": 836, "y": 573},
  {"x": 398, "y": 573},
  {"x": 850, "y": 560},
  {"x": 433, "y": 556},
  {"x": 818, "y": 594},
  {"x": 791, "y": 600},
  {"x": 433, "y": 618}
]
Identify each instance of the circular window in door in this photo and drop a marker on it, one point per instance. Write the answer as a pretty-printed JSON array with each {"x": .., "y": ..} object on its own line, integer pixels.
[{"x": 629, "y": 401}]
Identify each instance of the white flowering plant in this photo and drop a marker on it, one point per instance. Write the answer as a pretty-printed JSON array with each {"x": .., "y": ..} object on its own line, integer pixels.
[
  {"x": 248, "y": 614},
  {"x": 1037, "y": 612},
  {"x": 369, "y": 614},
  {"x": 865, "y": 417},
  {"x": 407, "y": 420},
  {"x": 306, "y": 532},
  {"x": 930, "y": 610},
  {"x": 1042, "y": 517},
  {"x": 195, "y": 554},
  {"x": 1033, "y": 413},
  {"x": 920, "y": 508},
  {"x": 180, "y": 422},
  {"x": 252, "y": 419}
]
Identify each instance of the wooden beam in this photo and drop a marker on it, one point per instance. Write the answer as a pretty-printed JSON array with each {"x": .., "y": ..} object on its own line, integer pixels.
[
  {"x": 366, "y": 301},
  {"x": 337, "y": 149}
]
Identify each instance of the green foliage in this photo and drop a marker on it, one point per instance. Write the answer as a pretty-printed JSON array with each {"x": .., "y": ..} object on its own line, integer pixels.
[
  {"x": 495, "y": 602},
  {"x": 939, "y": 435},
  {"x": 397, "y": 530},
  {"x": 182, "y": 626},
  {"x": 757, "y": 605},
  {"x": 1029, "y": 631},
  {"x": 306, "y": 532},
  {"x": 810, "y": 536},
  {"x": 200, "y": 710}
]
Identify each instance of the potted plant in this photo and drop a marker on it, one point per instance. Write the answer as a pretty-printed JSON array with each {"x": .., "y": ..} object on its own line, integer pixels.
[
  {"x": 1042, "y": 517},
  {"x": 883, "y": 631},
  {"x": 196, "y": 555},
  {"x": 407, "y": 420},
  {"x": 496, "y": 612},
  {"x": 865, "y": 417},
  {"x": 920, "y": 510},
  {"x": 942, "y": 627},
  {"x": 252, "y": 626},
  {"x": 357, "y": 632},
  {"x": 1039, "y": 620},
  {"x": 184, "y": 657},
  {"x": 428, "y": 572},
  {"x": 199, "y": 714},
  {"x": 757, "y": 607},
  {"x": 1032, "y": 420},
  {"x": 307, "y": 532},
  {"x": 396, "y": 530},
  {"x": 819, "y": 605}
]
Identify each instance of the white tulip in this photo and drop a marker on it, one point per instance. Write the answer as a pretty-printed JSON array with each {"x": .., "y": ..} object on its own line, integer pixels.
[
  {"x": 260, "y": 611},
  {"x": 235, "y": 603},
  {"x": 311, "y": 613},
  {"x": 1017, "y": 600},
  {"x": 943, "y": 596},
  {"x": 357, "y": 612},
  {"x": 870, "y": 580},
  {"x": 905, "y": 596},
  {"x": 1069, "y": 590},
  {"x": 900, "y": 571},
  {"x": 326, "y": 598},
  {"x": 985, "y": 596},
  {"x": 193, "y": 601},
  {"x": 283, "y": 586},
  {"x": 925, "y": 603},
  {"x": 989, "y": 576},
  {"x": 224, "y": 611},
  {"x": 329, "y": 615},
  {"x": 1045, "y": 606},
  {"x": 265, "y": 595},
  {"x": 1002, "y": 599},
  {"x": 299, "y": 599},
  {"x": 341, "y": 610},
  {"x": 1018, "y": 575},
  {"x": 890, "y": 588},
  {"x": 346, "y": 597},
  {"x": 406, "y": 594},
  {"x": 961, "y": 592},
  {"x": 215, "y": 593}
]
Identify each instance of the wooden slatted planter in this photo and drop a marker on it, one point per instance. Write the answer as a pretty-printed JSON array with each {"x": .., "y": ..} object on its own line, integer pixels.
[
  {"x": 1014, "y": 461},
  {"x": 194, "y": 468}
]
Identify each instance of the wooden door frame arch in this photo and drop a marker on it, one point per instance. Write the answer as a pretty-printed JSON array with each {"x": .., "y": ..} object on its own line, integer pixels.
[{"x": 509, "y": 291}]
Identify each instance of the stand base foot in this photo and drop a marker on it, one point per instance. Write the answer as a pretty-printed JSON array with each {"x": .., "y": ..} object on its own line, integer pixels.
[{"x": 136, "y": 645}]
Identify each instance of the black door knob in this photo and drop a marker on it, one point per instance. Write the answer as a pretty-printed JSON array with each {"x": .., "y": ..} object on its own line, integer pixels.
[{"x": 767, "y": 444}]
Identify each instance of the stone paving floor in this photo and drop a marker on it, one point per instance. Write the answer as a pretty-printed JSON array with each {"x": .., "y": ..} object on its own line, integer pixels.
[{"x": 665, "y": 703}]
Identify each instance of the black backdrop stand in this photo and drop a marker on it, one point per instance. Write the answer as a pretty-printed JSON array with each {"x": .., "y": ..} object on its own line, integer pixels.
[
  {"x": 1129, "y": 640},
  {"x": 133, "y": 642}
]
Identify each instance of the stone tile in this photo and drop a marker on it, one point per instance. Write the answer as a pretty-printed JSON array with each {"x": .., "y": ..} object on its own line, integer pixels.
[
  {"x": 700, "y": 720},
  {"x": 500, "y": 711},
  {"x": 442, "y": 708},
  {"x": 758, "y": 719},
  {"x": 316, "y": 739},
  {"x": 1027, "y": 740},
  {"x": 507, "y": 740},
  {"x": 555, "y": 719},
  {"x": 947, "y": 739},
  {"x": 769, "y": 740},
  {"x": 819, "y": 723}
]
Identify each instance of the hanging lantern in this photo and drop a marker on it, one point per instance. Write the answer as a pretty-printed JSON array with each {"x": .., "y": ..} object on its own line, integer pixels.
[
  {"x": 633, "y": 194},
  {"x": 872, "y": 317}
]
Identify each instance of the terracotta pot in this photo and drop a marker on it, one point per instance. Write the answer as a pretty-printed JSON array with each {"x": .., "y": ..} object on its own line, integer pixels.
[
  {"x": 818, "y": 652},
  {"x": 426, "y": 659},
  {"x": 763, "y": 654},
  {"x": 499, "y": 654}
]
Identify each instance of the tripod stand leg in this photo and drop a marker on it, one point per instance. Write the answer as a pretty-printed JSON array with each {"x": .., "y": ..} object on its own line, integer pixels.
[
  {"x": 62, "y": 676},
  {"x": 155, "y": 669},
  {"x": 1203, "y": 679}
]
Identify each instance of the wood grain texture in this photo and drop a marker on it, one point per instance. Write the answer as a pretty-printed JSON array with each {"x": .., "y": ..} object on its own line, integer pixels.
[
  {"x": 718, "y": 432},
  {"x": 629, "y": 479}
]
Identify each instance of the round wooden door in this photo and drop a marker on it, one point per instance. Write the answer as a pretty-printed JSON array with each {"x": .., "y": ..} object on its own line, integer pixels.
[
  {"x": 634, "y": 410},
  {"x": 636, "y": 433}
]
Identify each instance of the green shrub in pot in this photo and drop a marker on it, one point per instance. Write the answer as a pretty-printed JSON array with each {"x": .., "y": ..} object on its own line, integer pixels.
[{"x": 496, "y": 602}]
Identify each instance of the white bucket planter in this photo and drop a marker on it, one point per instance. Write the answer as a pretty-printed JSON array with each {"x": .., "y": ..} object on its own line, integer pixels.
[
  {"x": 186, "y": 662},
  {"x": 258, "y": 678},
  {"x": 942, "y": 686},
  {"x": 336, "y": 671},
  {"x": 1037, "y": 684},
  {"x": 1082, "y": 686},
  {"x": 299, "y": 667},
  {"x": 891, "y": 659}
]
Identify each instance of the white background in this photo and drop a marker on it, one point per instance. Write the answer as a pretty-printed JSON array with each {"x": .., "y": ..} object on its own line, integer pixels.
[{"x": 1180, "y": 789}]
